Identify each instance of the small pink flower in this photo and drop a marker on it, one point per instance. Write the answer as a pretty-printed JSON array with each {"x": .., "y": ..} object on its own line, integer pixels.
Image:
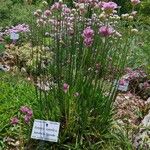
[
  {"x": 106, "y": 31},
  {"x": 14, "y": 121},
  {"x": 56, "y": 6},
  {"x": 88, "y": 42},
  {"x": 88, "y": 32},
  {"x": 65, "y": 87},
  {"x": 135, "y": 2},
  {"x": 100, "y": 4},
  {"x": 47, "y": 13},
  {"x": 27, "y": 119},
  {"x": 67, "y": 10},
  {"x": 24, "y": 109},
  {"x": 146, "y": 85},
  {"x": 108, "y": 7},
  {"x": 30, "y": 113}
]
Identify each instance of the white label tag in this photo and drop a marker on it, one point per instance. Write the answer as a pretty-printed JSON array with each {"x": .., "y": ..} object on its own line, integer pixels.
[
  {"x": 123, "y": 87},
  {"x": 14, "y": 36},
  {"x": 45, "y": 130}
]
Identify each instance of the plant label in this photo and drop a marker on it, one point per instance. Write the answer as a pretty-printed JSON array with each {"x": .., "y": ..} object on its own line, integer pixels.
[
  {"x": 123, "y": 87},
  {"x": 14, "y": 36},
  {"x": 45, "y": 130}
]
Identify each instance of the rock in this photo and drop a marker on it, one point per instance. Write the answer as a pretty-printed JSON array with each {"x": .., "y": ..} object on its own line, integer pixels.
[
  {"x": 142, "y": 138},
  {"x": 4, "y": 68}
]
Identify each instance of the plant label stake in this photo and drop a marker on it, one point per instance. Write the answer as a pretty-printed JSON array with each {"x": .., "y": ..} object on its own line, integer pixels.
[
  {"x": 123, "y": 87},
  {"x": 14, "y": 37},
  {"x": 45, "y": 130}
]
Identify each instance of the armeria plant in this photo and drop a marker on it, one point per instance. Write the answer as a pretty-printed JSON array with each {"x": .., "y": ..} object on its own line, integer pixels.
[{"x": 89, "y": 44}]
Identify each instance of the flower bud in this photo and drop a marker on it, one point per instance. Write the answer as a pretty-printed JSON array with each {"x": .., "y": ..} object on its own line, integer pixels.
[
  {"x": 44, "y": 3},
  {"x": 102, "y": 16},
  {"x": 130, "y": 18},
  {"x": 134, "y": 31}
]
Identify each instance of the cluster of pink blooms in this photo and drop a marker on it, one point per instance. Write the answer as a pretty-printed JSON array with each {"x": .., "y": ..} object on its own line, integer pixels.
[
  {"x": 27, "y": 115},
  {"x": 68, "y": 19},
  {"x": 20, "y": 28},
  {"x": 106, "y": 31},
  {"x": 132, "y": 74},
  {"x": 65, "y": 87},
  {"x": 146, "y": 85},
  {"x": 14, "y": 121},
  {"x": 27, "y": 112},
  {"x": 88, "y": 34},
  {"x": 107, "y": 7}
]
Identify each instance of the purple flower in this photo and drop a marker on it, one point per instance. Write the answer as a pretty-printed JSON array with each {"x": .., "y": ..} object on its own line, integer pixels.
[
  {"x": 146, "y": 85},
  {"x": 65, "y": 87},
  {"x": 56, "y": 6},
  {"x": 108, "y": 7},
  {"x": 27, "y": 119},
  {"x": 88, "y": 42},
  {"x": 67, "y": 10},
  {"x": 88, "y": 33},
  {"x": 24, "y": 109},
  {"x": 30, "y": 112},
  {"x": 100, "y": 4},
  {"x": 47, "y": 13},
  {"x": 14, "y": 121},
  {"x": 106, "y": 31}
]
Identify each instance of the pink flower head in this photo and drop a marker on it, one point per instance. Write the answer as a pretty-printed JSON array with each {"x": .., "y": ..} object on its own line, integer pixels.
[
  {"x": 88, "y": 42},
  {"x": 100, "y": 4},
  {"x": 27, "y": 119},
  {"x": 67, "y": 10},
  {"x": 108, "y": 7},
  {"x": 56, "y": 6},
  {"x": 88, "y": 32},
  {"x": 146, "y": 85},
  {"x": 14, "y": 121},
  {"x": 47, "y": 13},
  {"x": 24, "y": 109},
  {"x": 30, "y": 113},
  {"x": 135, "y": 2},
  {"x": 106, "y": 31},
  {"x": 65, "y": 87}
]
